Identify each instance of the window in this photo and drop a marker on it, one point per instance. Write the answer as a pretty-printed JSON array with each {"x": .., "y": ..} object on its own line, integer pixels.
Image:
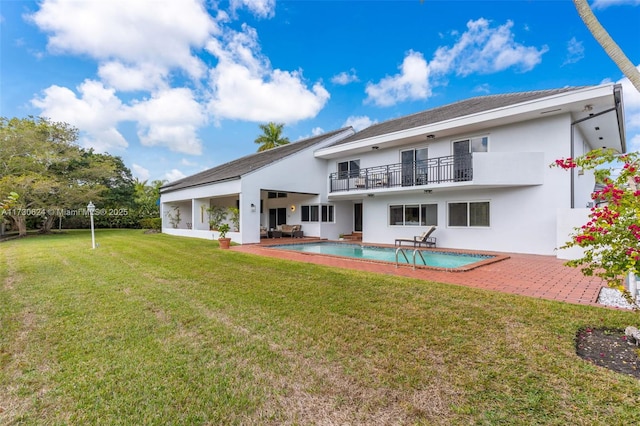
[
  {"x": 312, "y": 213},
  {"x": 272, "y": 194},
  {"x": 327, "y": 213},
  {"x": 478, "y": 144},
  {"x": 413, "y": 215},
  {"x": 471, "y": 214},
  {"x": 347, "y": 169},
  {"x": 428, "y": 214}
]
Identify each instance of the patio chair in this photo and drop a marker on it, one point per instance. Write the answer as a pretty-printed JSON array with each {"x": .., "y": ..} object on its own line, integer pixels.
[{"x": 419, "y": 240}]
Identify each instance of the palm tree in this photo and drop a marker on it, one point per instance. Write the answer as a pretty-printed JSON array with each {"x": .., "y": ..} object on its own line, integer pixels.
[
  {"x": 604, "y": 39},
  {"x": 271, "y": 137}
]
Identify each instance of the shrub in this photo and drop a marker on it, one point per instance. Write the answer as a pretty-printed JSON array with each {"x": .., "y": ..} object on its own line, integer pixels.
[{"x": 151, "y": 223}]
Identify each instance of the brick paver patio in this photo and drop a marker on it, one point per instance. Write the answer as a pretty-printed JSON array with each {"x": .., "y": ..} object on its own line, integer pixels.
[{"x": 543, "y": 277}]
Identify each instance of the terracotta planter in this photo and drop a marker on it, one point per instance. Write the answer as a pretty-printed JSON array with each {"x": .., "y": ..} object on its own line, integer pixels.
[{"x": 224, "y": 242}]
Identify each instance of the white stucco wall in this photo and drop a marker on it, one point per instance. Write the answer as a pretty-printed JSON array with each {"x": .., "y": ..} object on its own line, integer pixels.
[
  {"x": 568, "y": 220},
  {"x": 523, "y": 218},
  {"x": 301, "y": 176}
]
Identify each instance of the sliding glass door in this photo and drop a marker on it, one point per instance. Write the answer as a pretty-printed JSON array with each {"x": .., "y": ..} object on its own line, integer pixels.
[{"x": 414, "y": 166}]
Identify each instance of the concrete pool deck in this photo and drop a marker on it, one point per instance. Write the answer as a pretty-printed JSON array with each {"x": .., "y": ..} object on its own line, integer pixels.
[{"x": 544, "y": 277}]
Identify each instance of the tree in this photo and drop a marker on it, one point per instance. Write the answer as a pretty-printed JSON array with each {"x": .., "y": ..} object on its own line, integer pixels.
[
  {"x": 611, "y": 237},
  {"x": 8, "y": 202},
  {"x": 271, "y": 137},
  {"x": 30, "y": 149},
  {"x": 604, "y": 39},
  {"x": 146, "y": 198},
  {"x": 41, "y": 161}
]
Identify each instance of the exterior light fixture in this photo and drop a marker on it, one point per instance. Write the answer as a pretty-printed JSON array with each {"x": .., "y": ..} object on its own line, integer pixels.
[
  {"x": 91, "y": 208},
  {"x": 370, "y": 195},
  {"x": 253, "y": 207},
  {"x": 431, "y": 136},
  {"x": 375, "y": 147},
  {"x": 427, "y": 191}
]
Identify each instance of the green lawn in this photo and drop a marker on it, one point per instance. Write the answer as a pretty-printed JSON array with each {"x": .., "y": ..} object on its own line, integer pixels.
[{"x": 152, "y": 329}]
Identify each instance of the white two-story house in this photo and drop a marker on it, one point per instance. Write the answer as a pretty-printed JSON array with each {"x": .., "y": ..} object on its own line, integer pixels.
[{"x": 478, "y": 169}]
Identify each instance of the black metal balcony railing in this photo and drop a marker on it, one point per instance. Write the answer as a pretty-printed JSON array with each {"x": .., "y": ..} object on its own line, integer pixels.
[{"x": 451, "y": 168}]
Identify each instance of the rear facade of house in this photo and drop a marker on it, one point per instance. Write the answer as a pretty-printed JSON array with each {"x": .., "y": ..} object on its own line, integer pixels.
[{"x": 477, "y": 169}]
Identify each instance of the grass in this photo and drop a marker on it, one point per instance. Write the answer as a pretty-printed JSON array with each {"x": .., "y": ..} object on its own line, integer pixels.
[{"x": 153, "y": 329}]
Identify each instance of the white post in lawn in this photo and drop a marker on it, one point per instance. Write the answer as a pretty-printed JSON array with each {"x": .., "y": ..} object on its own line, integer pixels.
[
  {"x": 632, "y": 285},
  {"x": 91, "y": 208}
]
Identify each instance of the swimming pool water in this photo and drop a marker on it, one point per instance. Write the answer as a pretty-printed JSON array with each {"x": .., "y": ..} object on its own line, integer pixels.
[{"x": 386, "y": 254}]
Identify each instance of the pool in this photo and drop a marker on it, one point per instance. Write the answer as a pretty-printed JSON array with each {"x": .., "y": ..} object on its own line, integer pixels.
[{"x": 434, "y": 259}]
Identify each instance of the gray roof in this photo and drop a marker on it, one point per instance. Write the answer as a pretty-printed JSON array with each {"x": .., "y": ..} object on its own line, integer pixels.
[
  {"x": 236, "y": 168},
  {"x": 453, "y": 110}
]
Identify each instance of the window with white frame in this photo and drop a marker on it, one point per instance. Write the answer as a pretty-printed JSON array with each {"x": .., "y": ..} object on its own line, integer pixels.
[
  {"x": 477, "y": 144},
  {"x": 469, "y": 214},
  {"x": 413, "y": 214},
  {"x": 317, "y": 213},
  {"x": 347, "y": 169},
  {"x": 326, "y": 211}
]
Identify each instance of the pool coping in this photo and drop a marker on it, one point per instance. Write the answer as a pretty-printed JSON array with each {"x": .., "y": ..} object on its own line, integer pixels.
[{"x": 495, "y": 256}]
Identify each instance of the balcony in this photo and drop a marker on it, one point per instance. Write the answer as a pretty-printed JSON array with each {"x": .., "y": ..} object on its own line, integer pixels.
[
  {"x": 481, "y": 169},
  {"x": 432, "y": 171}
]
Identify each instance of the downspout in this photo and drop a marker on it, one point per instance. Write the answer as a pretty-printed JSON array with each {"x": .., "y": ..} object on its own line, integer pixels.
[{"x": 573, "y": 172}]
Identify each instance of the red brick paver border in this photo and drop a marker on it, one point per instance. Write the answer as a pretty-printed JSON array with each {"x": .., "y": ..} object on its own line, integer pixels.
[{"x": 537, "y": 276}]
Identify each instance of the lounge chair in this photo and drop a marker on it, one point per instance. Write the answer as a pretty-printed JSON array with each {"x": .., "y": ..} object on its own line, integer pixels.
[{"x": 423, "y": 239}]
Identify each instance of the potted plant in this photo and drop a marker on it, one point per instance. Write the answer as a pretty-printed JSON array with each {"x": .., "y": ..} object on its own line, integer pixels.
[{"x": 222, "y": 239}]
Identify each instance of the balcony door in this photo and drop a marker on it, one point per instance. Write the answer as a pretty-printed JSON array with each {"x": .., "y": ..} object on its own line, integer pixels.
[
  {"x": 414, "y": 166},
  {"x": 461, "y": 160},
  {"x": 462, "y": 164}
]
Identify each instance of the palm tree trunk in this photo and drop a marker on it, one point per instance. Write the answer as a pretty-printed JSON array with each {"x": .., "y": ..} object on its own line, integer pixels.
[{"x": 604, "y": 39}]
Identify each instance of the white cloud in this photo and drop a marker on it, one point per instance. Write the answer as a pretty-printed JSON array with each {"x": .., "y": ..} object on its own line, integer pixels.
[
  {"x": 171, "y": 119},
  {"x": 188, "y": 163},
  {"x": 260, "y": 8},
  {"x": 96, "y": 113},
  {"x": 359, "y": 122},
  {"x": 485, "y": 50},
  {"x": 480, "y": 50},
  {"x": 631, "y": 100},
  {"x": 140, "y": 172},
  {"x": 575, "y": 51},
  {"x": 144, "y": 76},
  {"x": 174, "y": 175},
  {"x": 244, "y": 86},
  {"x": 411, "y": 83},
  {"x": 633, "y": 145},
  {"x": 345, "y": 77},
  {"x": 316, "y": 131},
  {"x": 162, "y": 32},
  {"x": 482, "y": 88},
  {"x": 139, "y": 51},
  {"x": 602, "y": 4}
]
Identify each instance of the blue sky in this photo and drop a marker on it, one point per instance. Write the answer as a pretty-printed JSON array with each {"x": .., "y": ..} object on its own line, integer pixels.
[{"x": 176, "y": 87}]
